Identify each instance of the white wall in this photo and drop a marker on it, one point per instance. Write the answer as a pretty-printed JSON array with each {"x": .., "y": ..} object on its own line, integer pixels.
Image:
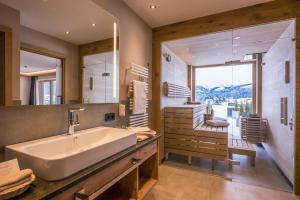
[
  {"x": 175, "y": 72},
  {"x": 280, "y": 142}
]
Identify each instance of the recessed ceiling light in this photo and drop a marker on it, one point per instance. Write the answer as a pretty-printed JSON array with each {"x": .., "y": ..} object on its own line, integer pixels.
[
  {"x": 93, "y": 25},
  {"x": 152, "y": 6},
  {"x": 67, "y": 32},
  {"x": 237, "y": 37}
]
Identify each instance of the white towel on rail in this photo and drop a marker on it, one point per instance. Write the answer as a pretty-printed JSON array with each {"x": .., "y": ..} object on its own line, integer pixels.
[{"x": 139, "y": 97}]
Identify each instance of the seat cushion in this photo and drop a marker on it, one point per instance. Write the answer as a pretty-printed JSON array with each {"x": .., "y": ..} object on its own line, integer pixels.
[{"x": 217, "y": 123}]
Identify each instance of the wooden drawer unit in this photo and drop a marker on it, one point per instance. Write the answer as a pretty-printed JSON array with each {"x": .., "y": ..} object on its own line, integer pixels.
[
  {"x": 147, "y": 151},
  {"x": 100, "y": 179},
  {"x": 121, "y": 175}
]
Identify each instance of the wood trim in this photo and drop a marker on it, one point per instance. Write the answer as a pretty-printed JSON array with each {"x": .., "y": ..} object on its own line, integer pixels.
[
  {"x": 54, "y": 54},
  {"x": 193, "y": 83},
  {"x": 244, "y": 17},
  {"x": 189, "y": 79},
  {"x": 259, "y": 83},
  {"x": 7, "y": 99},
  {"x": 224, "y": 64},
  {"x": 254, "y": 87}
]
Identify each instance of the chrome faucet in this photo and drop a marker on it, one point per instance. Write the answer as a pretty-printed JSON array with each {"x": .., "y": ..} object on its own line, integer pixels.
[{"x": 73, "y": 119}]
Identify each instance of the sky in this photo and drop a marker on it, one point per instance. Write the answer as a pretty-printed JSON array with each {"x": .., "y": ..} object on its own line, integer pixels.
[{"x": 210, "y": 77}]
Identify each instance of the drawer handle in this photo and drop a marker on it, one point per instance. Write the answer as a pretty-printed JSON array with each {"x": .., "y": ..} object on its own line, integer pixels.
[
  {"x": 135, "y": 160},
  {"x": 81, "y": 194}
]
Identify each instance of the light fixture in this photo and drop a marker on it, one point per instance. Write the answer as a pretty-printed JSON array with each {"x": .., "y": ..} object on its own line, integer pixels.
[
  {"x": 67, "y": 32},
  {"x": 152, "y": 6},
  {"x": 36, "y": 73},
  {"x": 93, "y": 25},
  {"x": 115, "y": 61},
  {"x": 237, "y": 37}
]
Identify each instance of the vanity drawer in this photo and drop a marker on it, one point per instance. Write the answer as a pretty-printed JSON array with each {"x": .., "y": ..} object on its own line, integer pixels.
[
  {"x": 100, "y": 179},
  {"x": 147, "y": 151}
]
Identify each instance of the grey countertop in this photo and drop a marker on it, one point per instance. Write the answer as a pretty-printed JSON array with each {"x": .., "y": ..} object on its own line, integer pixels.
[{"x": 41, "y": 189}]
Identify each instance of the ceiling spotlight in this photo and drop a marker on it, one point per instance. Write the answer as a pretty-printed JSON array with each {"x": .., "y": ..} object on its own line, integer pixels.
[
  {"x": 93, "y": 25},
  {"x": 67, "y": 32},
  {"x": 237, "y": 37},
  {"x": 152, "y": 6}
]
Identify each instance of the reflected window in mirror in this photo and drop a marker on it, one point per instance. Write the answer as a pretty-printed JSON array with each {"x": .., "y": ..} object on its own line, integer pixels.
[
  {"x": 100, "y": 78},
  {"x": 40, "y": 79}
]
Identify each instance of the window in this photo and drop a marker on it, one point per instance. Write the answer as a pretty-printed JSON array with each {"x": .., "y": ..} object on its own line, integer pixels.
[
  {"x": 228, "y": 89},
  {"x": 47, "y": 92}
]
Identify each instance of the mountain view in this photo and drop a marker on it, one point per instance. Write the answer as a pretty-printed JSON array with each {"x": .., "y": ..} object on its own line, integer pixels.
[{"x": 220, "y": 94}]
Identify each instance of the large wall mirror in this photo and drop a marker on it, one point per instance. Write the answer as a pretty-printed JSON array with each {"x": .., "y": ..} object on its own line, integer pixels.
[{"x": 58, "y": 52}]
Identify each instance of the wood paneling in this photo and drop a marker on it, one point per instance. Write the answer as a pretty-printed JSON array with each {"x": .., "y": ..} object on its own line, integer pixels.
[
  {"x": 2, "y": 68},
  {"x": 6, "y": 69},
  {"x": 244, "y": 17},
  {"x": 185, "y": 133}
]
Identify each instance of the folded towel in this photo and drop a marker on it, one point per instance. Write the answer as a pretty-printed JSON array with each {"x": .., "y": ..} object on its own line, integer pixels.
[
  {"x": 139, "y": 97},
  {"x": 12, "y": 192},
  {"x": 142, "y": 130},
  {"x": 142, "y": 133},
  {"x": 139, "y": 129},
  {"x": 12, "y": 180},
  {"x": 142, "y": 137}
]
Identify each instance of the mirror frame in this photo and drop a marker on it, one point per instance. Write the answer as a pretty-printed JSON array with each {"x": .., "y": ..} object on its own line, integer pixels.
[
  {"x": 6, "y": 95},
  {"x": 54, "y": 54}
]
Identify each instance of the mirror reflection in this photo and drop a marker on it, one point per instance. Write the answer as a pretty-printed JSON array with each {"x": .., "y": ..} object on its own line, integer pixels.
[
  {"x": 40, "y": 79},
  {"x": 59, "y": 55}
]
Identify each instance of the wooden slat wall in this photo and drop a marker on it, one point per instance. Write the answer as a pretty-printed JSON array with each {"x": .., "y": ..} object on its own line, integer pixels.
[
  {"x": 136, "y": 120},
  {"x": 186, "y": 134},
  {"x": 243, "y": 17},
  {"x": 253, "y": 129},
  {"x": 178, "y": 91},
  {"x": 2, "y": 68}
]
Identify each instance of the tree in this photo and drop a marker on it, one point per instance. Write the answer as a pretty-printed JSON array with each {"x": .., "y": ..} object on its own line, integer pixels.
[
  {"x": 247, "y": 107},
  {"x": 241, "y": 108},
  {"x": 236, "y": 106}
]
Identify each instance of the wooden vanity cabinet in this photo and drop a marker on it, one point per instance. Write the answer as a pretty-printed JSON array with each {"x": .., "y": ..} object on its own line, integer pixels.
[{"x": 131, "y": 177}]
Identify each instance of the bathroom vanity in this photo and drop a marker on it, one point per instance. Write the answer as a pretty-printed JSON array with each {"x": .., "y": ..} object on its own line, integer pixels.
[{"x": 129, "y": 174}]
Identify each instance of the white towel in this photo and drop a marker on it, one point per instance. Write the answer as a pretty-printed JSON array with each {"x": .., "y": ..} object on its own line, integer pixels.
[
  {"x": 142, "y": 133},
  {"x": 139, "y": 97}
]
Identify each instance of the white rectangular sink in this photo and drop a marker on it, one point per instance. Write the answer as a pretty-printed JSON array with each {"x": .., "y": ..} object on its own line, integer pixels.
[{"x": 58, "y": 157}]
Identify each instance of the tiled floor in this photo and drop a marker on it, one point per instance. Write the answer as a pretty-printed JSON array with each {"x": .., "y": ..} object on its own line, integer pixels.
[
  {"x": 181, "y": 182},
  {"x": 265, "y": 173}
]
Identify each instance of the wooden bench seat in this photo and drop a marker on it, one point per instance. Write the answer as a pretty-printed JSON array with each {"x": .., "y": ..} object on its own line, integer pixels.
[
  {"x": 242, "y": 147},
  {"x": 185, "y": 133}
]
